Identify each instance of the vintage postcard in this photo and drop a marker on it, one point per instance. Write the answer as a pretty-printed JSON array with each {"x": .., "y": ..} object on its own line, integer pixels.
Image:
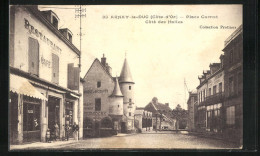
[{"x": 86, "y": 77}]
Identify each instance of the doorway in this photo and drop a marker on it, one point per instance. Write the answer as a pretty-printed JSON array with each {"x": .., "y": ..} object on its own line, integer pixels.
[
  {"x": 123, "y": 127},
  {"x": 69, "y": 116},
  {"x": 54, "y": 115}
]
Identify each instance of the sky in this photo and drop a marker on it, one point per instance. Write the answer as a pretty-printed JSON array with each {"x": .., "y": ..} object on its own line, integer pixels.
[{"x": 160, "y": 55}]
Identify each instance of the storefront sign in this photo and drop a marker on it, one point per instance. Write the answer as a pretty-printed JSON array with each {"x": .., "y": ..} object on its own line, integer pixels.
[
  {"x": 95, "y": 91},
  {"x": 36, "y": 32},
  {"x": 45, "y": 62},
  {"x": 30, "y": 111}
]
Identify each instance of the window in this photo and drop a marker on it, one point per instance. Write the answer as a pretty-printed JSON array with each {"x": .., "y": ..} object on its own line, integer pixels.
[
  {"x": 230, "y": 115},
  {"x": 231, "y": 56},
  {"x": 98, "y": 84},
  {"x": 54, "y": 22},
  {"x": 55, "y": 69},
  {"x": 214, "y": 89},
  {"x": 129, "y": 113},
  {"x": 231, "y": 86},
  {"x": 70, "y": 37},
  {"x": 220, "y": 87},
  {"x": 203, "y": 94},
  {"x": 130, "y": 100},
  {"x": 98, "y": 104},
  {"x": 130, "y": 87},
  {"x": 209, "y": 91},
  {"x": 33, "y": 56},
  {"x": 31, "y": 117}
]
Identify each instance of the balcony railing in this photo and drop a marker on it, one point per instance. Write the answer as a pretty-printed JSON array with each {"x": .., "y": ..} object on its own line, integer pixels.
[{"x": 215, "y": 98}]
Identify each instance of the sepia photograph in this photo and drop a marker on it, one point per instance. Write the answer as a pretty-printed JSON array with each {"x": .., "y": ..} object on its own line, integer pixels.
[{"x": 124, "y": 77}]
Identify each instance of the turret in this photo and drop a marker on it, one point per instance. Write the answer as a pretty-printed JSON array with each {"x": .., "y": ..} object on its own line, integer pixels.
[
  {"x": 116, "y": 100},
  {"x": 127, "y": 87}
]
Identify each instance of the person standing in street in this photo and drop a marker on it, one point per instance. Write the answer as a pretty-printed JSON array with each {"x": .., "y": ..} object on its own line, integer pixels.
[{"x": 75, "y": 129}]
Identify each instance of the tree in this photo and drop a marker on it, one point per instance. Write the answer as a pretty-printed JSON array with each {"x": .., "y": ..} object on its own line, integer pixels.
[{"x": 181, "y": 117}]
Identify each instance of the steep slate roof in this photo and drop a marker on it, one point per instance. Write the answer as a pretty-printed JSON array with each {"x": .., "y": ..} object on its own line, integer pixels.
[
  {"x": 97, "y": 60},
  {"x": 126, "y": 75},
  {"x": 162, "y": 108},
  {"x": 117, "y": 92}
]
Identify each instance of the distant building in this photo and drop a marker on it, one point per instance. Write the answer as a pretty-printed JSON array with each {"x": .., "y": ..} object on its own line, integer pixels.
[
  {"x": 192, "y": 108},
  {"x": 143, "y": 119},
  {"x": 233, "y": 68},
  {"x": 162, "y": 115},
  {"x": 108, "y": 102},
  {"x": 210, "y": 98},
  {"x": 44, "y": 76}
]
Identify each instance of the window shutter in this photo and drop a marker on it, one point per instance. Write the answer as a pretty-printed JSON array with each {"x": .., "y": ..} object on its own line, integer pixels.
[
  {"x": 33, "y": 55},
  {"x": 76, "y": 78},
  {"x": 55, "y": 68},
  {"x": 70, "y": 76},
  {"x": 73, "y": 77}
]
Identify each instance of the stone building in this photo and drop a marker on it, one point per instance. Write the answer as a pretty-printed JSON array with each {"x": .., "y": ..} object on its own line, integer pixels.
[
  {"x": 192, "y": 108},
  {"x": 44, "y": 76},
  {"x": 210, "y": 98},
  {"x": 143, "y": 119},
  {"x": 108, "y": 102},
  {"x": 233, "y": 68},
  {"x": 161, "y": 115}
]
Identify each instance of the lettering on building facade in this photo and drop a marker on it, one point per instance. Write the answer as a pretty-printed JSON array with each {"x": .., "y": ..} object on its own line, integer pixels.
[
  {"x": 95, "y": 91},
  {"x": 37, "y": 33},
  {"x": 45, "y": 62}
]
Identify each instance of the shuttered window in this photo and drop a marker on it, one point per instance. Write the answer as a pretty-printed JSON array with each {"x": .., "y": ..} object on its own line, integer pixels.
[
  {"x": 73, "y": 77},
  {"x": 55, "y": 69},
  {"x": 33, "y": 59}
]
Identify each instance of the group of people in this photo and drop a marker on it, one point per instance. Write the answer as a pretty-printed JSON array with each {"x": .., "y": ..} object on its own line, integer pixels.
[{"x": 54, "y": 134}]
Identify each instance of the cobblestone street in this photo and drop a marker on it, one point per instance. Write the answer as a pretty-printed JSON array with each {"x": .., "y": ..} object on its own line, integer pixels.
[{"x": 151, "y": 140}]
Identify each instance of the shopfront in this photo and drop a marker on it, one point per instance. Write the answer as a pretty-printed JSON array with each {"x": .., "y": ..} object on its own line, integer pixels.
[
  {"x": 54, "y": 115},
  {"x": 214, "y": 117},
  {"x": 31, "y": 119},
  {"x": 25, "y": 110},
  {"x": 69, "y": 116}
]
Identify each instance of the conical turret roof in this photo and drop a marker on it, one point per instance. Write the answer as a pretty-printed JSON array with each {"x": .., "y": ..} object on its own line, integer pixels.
[
  {"x": 117, "y": 91},
  {"x": 125, "y": 75}
]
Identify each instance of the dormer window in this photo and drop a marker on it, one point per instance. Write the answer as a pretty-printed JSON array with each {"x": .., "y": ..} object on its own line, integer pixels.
[
  {"x": 70, "y": 37},
  {"x": 55, "y": 22}
]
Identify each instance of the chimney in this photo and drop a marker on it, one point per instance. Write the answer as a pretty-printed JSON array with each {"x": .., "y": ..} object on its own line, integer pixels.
[
  {"x": 221, "y": 60},
  {"x": 104, "y": 60},
  {"x": 167, "y": 104},
  {"x": 214, "y": 67}
]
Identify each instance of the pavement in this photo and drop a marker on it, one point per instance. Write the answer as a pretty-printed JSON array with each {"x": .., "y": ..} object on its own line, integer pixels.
[
  {"x": 146, "y": 140},
  {"x": 54, "y": 144}
]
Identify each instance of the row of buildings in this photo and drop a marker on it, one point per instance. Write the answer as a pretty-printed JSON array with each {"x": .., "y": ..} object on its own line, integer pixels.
[
  {"x": 47, "y": 92},
  {"x": 216, "y": 107}
]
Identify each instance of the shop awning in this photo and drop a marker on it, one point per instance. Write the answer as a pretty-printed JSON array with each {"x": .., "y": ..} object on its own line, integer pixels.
[{"x": 21, "y": 85}]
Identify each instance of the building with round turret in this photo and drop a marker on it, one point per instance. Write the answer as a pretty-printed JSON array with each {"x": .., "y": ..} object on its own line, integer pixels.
[
  {"x": 108, "y": 101},
  {"x": 127, "y": 87}
]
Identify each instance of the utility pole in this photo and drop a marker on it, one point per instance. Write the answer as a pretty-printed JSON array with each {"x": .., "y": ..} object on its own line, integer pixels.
[{"x": 80, "y": 13}]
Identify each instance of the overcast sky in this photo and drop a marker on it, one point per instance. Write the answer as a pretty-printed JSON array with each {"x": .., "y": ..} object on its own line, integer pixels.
[{"x": 160, "y": 56}]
